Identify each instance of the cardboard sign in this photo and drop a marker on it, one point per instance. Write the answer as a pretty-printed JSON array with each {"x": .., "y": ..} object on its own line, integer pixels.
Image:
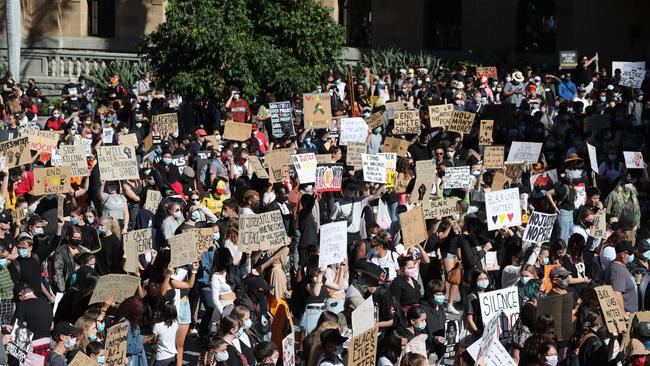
[
  {"x": 329, "y": 178},
  {"x": 614, "y": 316},
  {"x": 407, "y": 122},
  {"x": 363, "y": 317},
  {"x": 391, "y": 169},
  {"x": 74, "y": 156},
  {"x": 593, "y": 159},
  {"x": 130, "y": 139},
  {"x": 107, "y": 135},
  {"x": 288, "y": 351},
  {"x": 305, "y": 165},
  {"x": 327, "y": 158},
  {"x": 493, "y": 157},
  {"x": 634, "y": 160},
  {"x": 362, "y": 350},
  {"x": 437, "y": 209},
  {"x": 317, "y": 110},
  {"x": 375, "y": 120},
  {"x": 486, "y": 131},
  {"x": 136, "y": 242},
  {"x": 21, "y": 341},
  {"x": 424, "y": 180},
  {"x": 236, "y": 131},
  {"x": 166, "y": 123},
  {"x": 60, "y": 205},
  {"x": 490, "y": 261},
  {"x": 632, "y": 73},
  {"x": 513, "y": 171},
  {"x": 487, "y": 71},
  {"x": 281, "y": 120},
  {"x": 120, "y": 286},
  {"x": 457, "y": 177},
  {"x": 353, "y": 156},
  {"x": 153, "y": 200},
  {"x": 183, "y": 248},
  {"x": 539, "y": 227},
  {"x": 524, "y": 151},
  {"x": 16, "y": 151},
  {"x": 256, "y": 164},
  {"x": 353, "y": 130},
  {"x": 503, "y": 303},
  {"x": 374, "y": 168},
  {"x": 489, "y": 338},
  {"x": 596, "y": 122},
  {"x": 275, "y": 161},
  {"x": 568, "y": 59},
  {"x": 333, "y": 243},
  {"x": 560, "y": 307},
  {"x": 41, "y": 141},
  {"x": 600, "y": 223},
  {"x": 502, "y": 208},
  {"x": 52, "y": 180},
  {"x": 396, "y": 145},
  {"x": 632, "y": 328},
  {"x": 461, "y": 122},
  {"x": 202, "y": 238},
  {"x": 261, "y": 232},
  {"x": 440, "y": 115},
  {"x": 87, "y": 145},
  {"x": 499, "y": 181},
  {"x": 544, "y": 181},
  {"x": 117, "y": 163},
  {"x": 414, "y": 229},
  {"x": 115, "y": 347},
  {"x": 392, "y": 107},
  {"x": 80, "y": 359}
]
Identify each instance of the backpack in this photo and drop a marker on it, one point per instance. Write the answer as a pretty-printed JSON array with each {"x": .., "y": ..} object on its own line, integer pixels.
[{"x": 573, "y": 354}]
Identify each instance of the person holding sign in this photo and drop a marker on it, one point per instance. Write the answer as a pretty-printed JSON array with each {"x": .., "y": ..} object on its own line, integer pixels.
[
  {"x": 331, "y": 340},
  {"x": 619, "y": 277}
]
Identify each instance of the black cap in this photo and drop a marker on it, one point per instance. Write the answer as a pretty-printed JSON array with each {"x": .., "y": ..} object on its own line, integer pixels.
[
  {"x": 625, "y": 246},
  {"x": 559, "y": 271},
  {"x": 35, "y": 218},
  {"x": 370, "y": 269},
  {"x": 19, "y": 288},
  {"x": 332, "y": 336},
  {"x": 256, "y": 283},
  {"x": 6, "y": 216},
  {"x": 64, "y": 328}
]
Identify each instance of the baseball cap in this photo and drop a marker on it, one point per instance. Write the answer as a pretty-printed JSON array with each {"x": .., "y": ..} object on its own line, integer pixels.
[
  {"x": 6, "y": 216},
  {"x": 559, "y": 271},
  {"x": 332, "y": 336},
  {"x": 200, "y": 132},
  {"x": 370, "y": 269},
  {"x": 625, "y": 246},
  {"x": 64, "y": 328}
]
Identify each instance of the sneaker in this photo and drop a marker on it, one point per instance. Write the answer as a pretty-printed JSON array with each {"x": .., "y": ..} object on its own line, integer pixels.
[{"x": 452, "y": 310}]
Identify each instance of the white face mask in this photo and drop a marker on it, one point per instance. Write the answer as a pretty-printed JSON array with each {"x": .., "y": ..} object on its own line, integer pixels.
[
  {"x": 551, "y": 360},
  {"x": 221, "y": 356}
]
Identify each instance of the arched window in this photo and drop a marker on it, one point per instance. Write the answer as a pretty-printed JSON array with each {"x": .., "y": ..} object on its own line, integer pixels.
[
  {"x": 355, "y": 16},
  {"x": 536, "y": 26},
  {"x": 445, "y": 25}
]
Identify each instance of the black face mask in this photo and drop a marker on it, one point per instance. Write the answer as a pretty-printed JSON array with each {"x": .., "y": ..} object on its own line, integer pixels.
[{"x": 75, "y": 242}]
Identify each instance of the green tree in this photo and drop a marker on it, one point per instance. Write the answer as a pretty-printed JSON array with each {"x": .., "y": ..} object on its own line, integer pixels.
[{"x": 206, "y": 45}]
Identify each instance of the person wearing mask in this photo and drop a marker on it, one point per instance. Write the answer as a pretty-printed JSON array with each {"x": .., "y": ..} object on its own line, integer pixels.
[
  {"x": 524, "y": 326},
  {"x": 514, "y": 90},
  {"x": 251, "y": 203},
  {"x": 114, "y": 204},
  {"x": 172, "y": 221},
  {"x": 416, "y": 322},
  {"x": 350, "y": 208},
  {"x": 109, "y": 258},
  {"x": 623, "y": 203},
  {"x": 267, "y": 354},
  {"x": 246, "y": 341},
  {"x": 619, "y": 277},
  {"x": 330, "y": 340},
  {"x": 634, "y": 110},
  {"x": 547, "y": 355},
  {"x": 381, "y": 255},
  {"x": 472, "y": 317},
  {"x": 238, "y": 106},
  {"x": 165, "y": 173},
  {"x": 230, "y": 330},
  {"x": 405, "y": 289},
  {"x": 638, "y": 353},
  {"x": 95, "y": 350},
  {"x": 64, "y": 340},
  {"x": 87, "y": 333},
  {"x": 591, "y": 349},
  {"x": 64, "y": 259},
  {"x": 86, "y": 223}
]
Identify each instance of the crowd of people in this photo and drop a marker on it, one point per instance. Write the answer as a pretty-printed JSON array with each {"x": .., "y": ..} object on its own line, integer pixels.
[{"x": 240, "y": 306}]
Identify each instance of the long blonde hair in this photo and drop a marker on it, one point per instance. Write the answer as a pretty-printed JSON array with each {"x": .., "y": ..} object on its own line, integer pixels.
[
  {"x": 83, "y": 323},
  {"x": 316, "y": 347},
  {"x": 113, "y": 226}
]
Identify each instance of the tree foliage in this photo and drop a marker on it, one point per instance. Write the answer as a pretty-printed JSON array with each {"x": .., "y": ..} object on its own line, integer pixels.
[{"x": 206, "y": 45}]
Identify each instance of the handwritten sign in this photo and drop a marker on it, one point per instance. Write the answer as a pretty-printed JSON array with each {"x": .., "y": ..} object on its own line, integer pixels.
[
  {"x": 120, "y": 286},
  {"x": 513, "y": 171},
  {"x": 486, "y": 71},
  {"x": 261, "y": 232},
  {"x": 117, "y": 163},
  {"x": 457, "y": 177},
  {"x": 486, "y": 130},
  {"x": 353, "y": 156},
  {"x": 107, "y": 135},
  {"x": 414, "y": 229},
  {"x": 539, "y": 227},
  {"x": 317, "y": 110},
  {"x": 524, "y": 151},
  {"x": 363, "y": 317},
  {"x": 493, "y": 157},
  {"x": 600, "y": 223},
  {"x": 503, "y": 208},
  {"x": 632, "y": 73},
  {"x": 593, "y": 159},
  {"x": 396, "y": 145},
  {"x": 614, "y": 316},
  {"x": 374, "y": 168},
  {"x": 167, "y": 123},
  {"x": 16, "y": 151},
  {"x": 281, "y": 120},
  {"x": 153, "y": 200},
  {"x": 136, "y": 242},
  {"x": 276, "y": 160},
  {"x": 353, "y": 130},
  {"x": 440, "y": 115},
  {"x": 41, "y": 141},
  {"x": 80, "y": 359},
  {"x": 333, "y": 243},
  {"x": 52, "y": 180},
  {"x": 202, "y": 238},
  {"x": 362, "y": 350},
  {"x": 407, "y": 122},
  {"x": 256, "y": 164},
  {"x": 130, "y": 139},
  {"x": 237, "y": 131},
  {"x": 392, "y": 107},
  {"x": 375, "y": 120},
  {"x": 437, "y": 209},
  {"x": 568, "y": 59},
  {"x": 288, "y": 351},
  {"x": 461, "y": 122},
  {"x": 499, "y": 181},
  {"x": 328, "y": 178},
  {"x": 503, "y": 303},
  {"x": 74, "y": 156},
  {"x": 183, "y": 248},
  {"x": 305, "y": 165},
  {"x": 424, "y": 181},
  {"x": 633, "y": 160},
  {"x": 116, "y": 340}
]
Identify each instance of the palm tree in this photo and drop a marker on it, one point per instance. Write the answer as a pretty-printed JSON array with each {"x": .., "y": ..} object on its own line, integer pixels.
[{"x": 14, "y": 28}]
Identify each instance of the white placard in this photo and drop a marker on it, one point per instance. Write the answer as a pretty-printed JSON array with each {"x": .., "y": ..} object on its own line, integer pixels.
[
  {"x": 305, "y": 165},
  {"x": 593, "y": 159},
  {"x": 544, "y": 180},
  {"x": 363, "y": 317},
  {"x": 524, "y": 151},
  {"x": 457, "y": 177},
  {"x": 502, "y": 208},
  {"x": 504, "y": 300},
  {"x": 632, "y": 73},
  {"x": 496, "y": 354},
  {"x": 353, "y": 129},
  {"x": 288, "y": 351},
  {"x": 333, "y": 243},
  {"x": 391, "y": 160},
  {"x": 539, "y": 227},
  {"x": 374, "y": 168},
  {"x": 107, "y": 135},
  {"x": 634, "y": 160}
]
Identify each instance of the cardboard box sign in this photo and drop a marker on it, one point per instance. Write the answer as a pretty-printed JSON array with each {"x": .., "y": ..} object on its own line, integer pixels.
[
  {"x": 440, "y": 115},
  {"x": 52, "y": 180},
  {"x": 486, "y": 131},
  {"x": 317, "y": 109},
  {"x": 236, "y": 131},
  {"x": 493, "y": 157},
  {"x": 461, "y": 122},
  {"x": 16, "y": 152},
  {"x": 414, "y": 229},
  {"x": 41, "y": 141},
  {"x": 166, "y": 123},
  {"x": 407, "y": 122},
  {"x": 117, "y": 163}
]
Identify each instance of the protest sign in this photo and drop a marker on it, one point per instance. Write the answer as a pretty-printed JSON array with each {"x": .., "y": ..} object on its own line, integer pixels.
[
  {"x": 494, "y": 355},
  {"x": 437, "y": 209},
  {"x": 117, "y": 163},
  {"x": 414, "y": 229},
  {"x": 52, "y": 180},
  {"x": 632, "y": 73},
  {"x": 73, "y": 155},
  {"x": 115, "y": 346},
  {"x": 328, "y": 178},
  {"x": 600, "y": 223},
  {"x": 275, "y": 161},
  {"x": 560, "y": 307},
  {"x": 502, "y": 208},
  {"x": 452, "y": 337},
  {"x": 80, "y": 359},
  {"x": 202, "y": 237},
  {"x": 153, "y": 200},
  {"x": 502, "y": 304},
  {"x": 362, "y": 350},
  {"x": 281, "y": 120},
  {"x": 493, "y": 157},
  {"x": 612, "y": 312},
  {"x": 327, "y": 158},
  {"x": 288, "y": 351},
  {"x": 120, "y": 286},
  {"x": 363, "y": 317},
  {"x": 457, "y": 177},
  {"x": 593, "y": 159},
  {"x": 407, "y": 122},
  {"x": 486, "y": 71},
  {"x": 489, "y": 336},
  {"x": 136, "y": 242},
  {"x": 543, "y": 181},
  {"x": 21, "y": 341},
  {"x": 391, "y": 166},
  {"x": 440, "y": 115},
  {"x": 513, "y": 171},
  {"x": 392, "y": 107},
  {"x": 261, "y": 232},
  {"x": 237, "y": 131},
  {"x": 353, "y": 156},
  {"x": 108, "y": 133},
  {"x": 568, "y": 59},
  {"x": 374, "y": 168},
  {"x": 16, "y": 151},
  {"x": 353, "y": 130},
  {"x": 183, "y": 249},
  {"x": 490, "y": 261},
  {"x": 60, "y": 205},
  {"x": 333, "y": 243},
  {"x": 633, "y": 327},
  {"x": 524, "y": 151},
  {"x": 596, "y": 122},
  {"x": 130, "y": 139},
  {"x": 3, "y": 162},
  {"x": 396, "y": 145},
  {"x": 87, "y": 145},
  {"x": 499, "y": 181},
  {"x": 486, "y": 131},
  {"x": 166, "y": 123},
  {"x": 461, "y": 122},
  {"x": 424, "y": 181},
  {"x": 539, "y": 227},
  {"x": 317, "y": 110},
  {"x": 40, "y": 140},
  {"x": 375, "y": 120},
  {"x": 335, "y": 127},
  {"x": 634, "y": 160},
  {"x": 256, "y": 164},
  {"x": 305, "y": 165}
]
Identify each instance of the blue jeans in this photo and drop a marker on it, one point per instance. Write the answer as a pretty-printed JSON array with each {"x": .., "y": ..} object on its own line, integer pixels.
[
  {"x": 184, "y": 313},
  {"x": 206, "y": 299},
  {"x": 563, "y": 225},
  {"x": 310, "y": 320}
]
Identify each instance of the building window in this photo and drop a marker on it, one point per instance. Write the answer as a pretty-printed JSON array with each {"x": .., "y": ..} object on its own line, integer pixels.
[
  {"x": 355, "y": 15},
  {"x": 101, "y": 18},
  {"x": 536, "y": 26},
  {"x": 445, "y": 25}
]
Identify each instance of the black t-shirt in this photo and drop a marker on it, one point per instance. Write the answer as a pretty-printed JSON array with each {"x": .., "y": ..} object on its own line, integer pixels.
[
  {"x": 473, "y": 307},
  {"x": 109, "y": 258},
  {"x": 404, "y": 292},
  {"x": 528, "y": 315},
  {"x": 28, "y": 271},
  {"x": 419, "y": 152},
  {"x": 37, "y": 313}
]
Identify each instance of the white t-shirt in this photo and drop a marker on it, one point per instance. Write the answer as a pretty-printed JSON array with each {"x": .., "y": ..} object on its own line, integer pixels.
[
  {"x": 166, "y": 341},
  {"x": 389, "y": 262}
]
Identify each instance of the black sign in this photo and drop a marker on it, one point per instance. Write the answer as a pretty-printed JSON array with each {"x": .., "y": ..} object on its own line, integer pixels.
[
  {"x": 568, "y": 59},
  {"x": 281, "y": 120}
]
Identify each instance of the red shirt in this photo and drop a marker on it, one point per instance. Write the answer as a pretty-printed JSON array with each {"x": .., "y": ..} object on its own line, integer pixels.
[
  {"x": 262, "y": 141},
  {"x": 55, "y": 124},
  {"x": 240, "y": 110}
]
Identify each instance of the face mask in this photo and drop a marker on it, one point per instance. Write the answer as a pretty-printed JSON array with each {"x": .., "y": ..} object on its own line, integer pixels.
[
  {"x": 564, "y": 282},
  {"x": 455, "y": 217},
  {"x": 630, "y": 259},
  {"x": 476, "y": 173},
  {"x": 138, "y": 125},
  {"x": 422, "y": 326},
  {"x": 216, "y": 236},
  {"x": 101, "y": 229},
  {"x": 74, "y": 220},
  {"x": 248, "y": 323},
  {"x": 90, "y": 220},
  {"x": 240, "y": 332},
  {"x": 483, "y": 284},
  {"x": 196, "y": 216},
  {"x": 152, "y": 182},
  {"x": 377, "y": 131},
  {"x": 602, "y": 99},
  {"x": 372, "y": 252},
  {"x": 101, "y": 359},
  {"x": 545, "y": 261},
  {"x": 221, "y": 356},
  {"x": 639, "y": 98},
  {"x": 92, "y": 338},
  {"x": 411, "y": 272},
  {"x": 508, "y": 78},
  {"x": 524, "y": 280},
  {"x": 439, "y": 299},
  {"x": 551, "y": 360},
  {"x": 75, "y": 242},
  {"x": 639, "y": 361},
  {"x": 167, "y": 161},
  {"x": 23, "y": 253},
  {"x": 450, "y": 154},
  {"x": 177, "y": 214},
  {"x": 70, "y": 343},
  {"x": 458, "y": 102},
  {"x": 307, "y": 140},
  {"x": 3, "y": 262},
  {"x": 628, "y": 186},
  {"x": 101, "y": 326},
  {"x": 224, "y": 214},
  {"x": 39, "y": 231}
]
